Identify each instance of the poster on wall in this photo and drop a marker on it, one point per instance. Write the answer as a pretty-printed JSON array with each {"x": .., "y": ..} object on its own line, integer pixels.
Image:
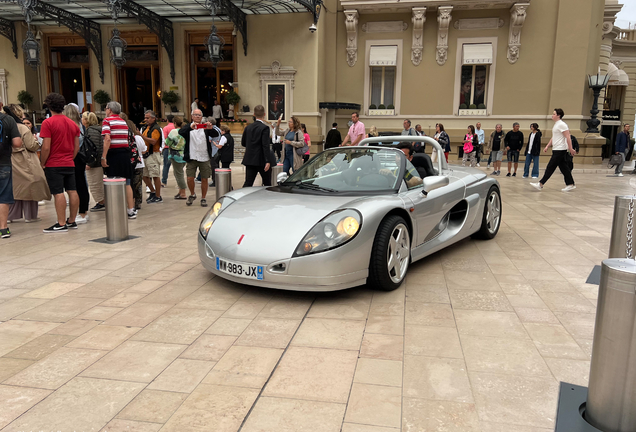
[{"x": 276, "y": 99}]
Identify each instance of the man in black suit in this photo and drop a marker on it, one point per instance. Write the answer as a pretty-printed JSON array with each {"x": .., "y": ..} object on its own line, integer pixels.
[
  {"x": 256, "y": 139},
  {"x": 334, "y": 139}
]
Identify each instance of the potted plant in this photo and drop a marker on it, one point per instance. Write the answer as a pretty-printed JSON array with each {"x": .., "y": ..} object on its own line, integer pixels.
[
  {"x": 102, "y": 98},
  {"x": 373, "y": 106},
  {"x": 233, "y": 99},
  {"x": 25, "y": 98},
  {"x": 170, "y": 98}
]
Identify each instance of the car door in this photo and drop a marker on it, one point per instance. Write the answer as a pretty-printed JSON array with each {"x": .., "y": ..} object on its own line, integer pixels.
[{"x": 431, "y": 211}]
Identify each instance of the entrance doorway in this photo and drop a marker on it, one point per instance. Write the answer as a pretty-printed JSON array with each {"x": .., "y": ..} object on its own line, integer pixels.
[
  {"x": 69, "y": 75},
  {"x": 139, "y": 83}
]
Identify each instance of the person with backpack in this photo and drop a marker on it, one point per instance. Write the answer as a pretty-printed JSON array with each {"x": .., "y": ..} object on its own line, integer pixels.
[
  {"x": 153, "y": 162},
  {"x": 29, "y": 182},
  {"x": 116, "y": 154},
  {"x": 9, "y": 139},
  {"x": 176, "y": 144},
  {"x": 92, "y": 149}
]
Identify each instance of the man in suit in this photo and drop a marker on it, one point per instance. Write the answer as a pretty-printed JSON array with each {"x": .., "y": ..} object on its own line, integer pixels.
[
  {"x": 256, "y": 139},
  {"x": 334, "y": 139}
]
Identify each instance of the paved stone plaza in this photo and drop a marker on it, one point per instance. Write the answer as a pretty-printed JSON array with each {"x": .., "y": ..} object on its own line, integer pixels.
[{"x": 139, "y": 337}]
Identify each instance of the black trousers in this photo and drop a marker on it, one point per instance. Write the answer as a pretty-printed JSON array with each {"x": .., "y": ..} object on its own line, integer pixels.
[
  {"x": 558, "y": 159},
  {"x": 250, "y": 175},
  {"x": 81, "y": 185}
]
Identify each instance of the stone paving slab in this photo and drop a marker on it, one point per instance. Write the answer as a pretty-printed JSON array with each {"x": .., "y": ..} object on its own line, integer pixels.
[{"x": 139, "y": 336}]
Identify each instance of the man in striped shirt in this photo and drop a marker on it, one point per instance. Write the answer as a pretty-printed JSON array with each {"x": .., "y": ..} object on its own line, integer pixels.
[{"x": 116, "y": 156}]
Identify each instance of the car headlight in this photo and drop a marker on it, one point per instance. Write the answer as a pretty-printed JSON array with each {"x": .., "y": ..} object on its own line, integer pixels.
[
  {"x": 334, "y": 230},
  {"x": 211, "y": 216}
]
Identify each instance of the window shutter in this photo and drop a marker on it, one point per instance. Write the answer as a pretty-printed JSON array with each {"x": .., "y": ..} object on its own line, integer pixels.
[
  {"x": 477, "y": 54},
  {"x": 383, "y": 55}
]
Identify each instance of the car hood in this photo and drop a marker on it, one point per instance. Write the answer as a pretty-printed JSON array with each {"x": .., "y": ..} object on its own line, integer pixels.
[{"x": 267, "y": 226}]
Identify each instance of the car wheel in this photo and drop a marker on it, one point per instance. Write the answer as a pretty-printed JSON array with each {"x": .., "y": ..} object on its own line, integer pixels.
[
  {"x": 491, "y": 220},
  {"x": 391, "y": 254}
]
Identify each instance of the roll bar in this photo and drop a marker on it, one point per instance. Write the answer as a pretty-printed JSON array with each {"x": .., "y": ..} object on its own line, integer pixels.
[{"x": 441, "y": 160}]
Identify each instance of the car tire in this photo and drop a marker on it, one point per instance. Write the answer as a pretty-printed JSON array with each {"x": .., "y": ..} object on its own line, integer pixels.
[
  {"x": 491, "y": 219},
  {"x": 391, "y": 254}
]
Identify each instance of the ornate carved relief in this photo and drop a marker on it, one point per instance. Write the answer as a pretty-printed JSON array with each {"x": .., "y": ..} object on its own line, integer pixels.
[
  {"x": 418, "y": 19},
  {"x": 384, "y": 27},
  {"x": 276, "y": 72},
  {"x": 443, "y": 20},
  {"x": 351, "y": 22},
  {"x": 478, "y": 24},
  {"x": 517, "y": 18}
]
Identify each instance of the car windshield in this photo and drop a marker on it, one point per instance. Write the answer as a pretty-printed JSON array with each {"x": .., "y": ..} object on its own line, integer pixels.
[{"x": 358, "y": 169}]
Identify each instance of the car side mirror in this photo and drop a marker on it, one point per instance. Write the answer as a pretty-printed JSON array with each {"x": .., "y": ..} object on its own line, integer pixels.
[
  {"x": 281, "y": 177},
  {"x": 434, "y": 182}
]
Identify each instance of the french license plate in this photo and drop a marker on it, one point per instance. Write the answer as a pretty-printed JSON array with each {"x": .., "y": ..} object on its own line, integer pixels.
[{"x": 248, "y": 271}]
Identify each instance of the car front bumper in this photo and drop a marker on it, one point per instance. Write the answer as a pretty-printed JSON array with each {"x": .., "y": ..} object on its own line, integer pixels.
[{"x": 290, "y": 279}]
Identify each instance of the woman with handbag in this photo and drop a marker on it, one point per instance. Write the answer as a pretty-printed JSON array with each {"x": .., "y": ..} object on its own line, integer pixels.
[
  {"x": 29, "y": 182},
  {"x": 94, "y": 171},
  {"x": 294, "y": 142},
  {"x": 471, "y": 141}
]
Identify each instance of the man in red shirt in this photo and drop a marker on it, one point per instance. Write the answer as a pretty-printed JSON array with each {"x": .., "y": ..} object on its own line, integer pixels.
[{"x": 59, "y": 147}]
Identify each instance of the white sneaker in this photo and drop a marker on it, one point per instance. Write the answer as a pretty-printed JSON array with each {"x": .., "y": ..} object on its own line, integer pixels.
[
  {"x": 568, "y": 188},
  {"x": 536, "y": 186},
  {"x": 32, "y": 220},
  {"x": 619, "y": 175},
  {"x": 147, "y": 189},
  {"x": 478, "y": 165},
  {"x": 488, "y": 166},
  {"x": 81, "y": 220},
  {"x": 41, "y": 203},
  {"x": 526, "y": 177},
  {"x": 535, "y": 177}
]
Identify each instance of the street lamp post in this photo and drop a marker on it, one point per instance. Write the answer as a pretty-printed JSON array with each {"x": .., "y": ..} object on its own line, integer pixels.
[
  {"x": 116, "y": 45},
  {"x": 30, "y": 46},
  {"x": 597, "y": 83}
]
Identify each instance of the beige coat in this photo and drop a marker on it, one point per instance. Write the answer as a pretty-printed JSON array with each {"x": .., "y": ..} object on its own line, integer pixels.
[
  {"x": 298, "y": 159},
  {"x": 29, "y": 182}
]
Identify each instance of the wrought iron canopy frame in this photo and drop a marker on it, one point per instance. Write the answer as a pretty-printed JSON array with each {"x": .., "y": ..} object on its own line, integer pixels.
[
  {"x": 238, "y": 17},
  {"x": 160, "y": 26},
  {"x": 313, "y": 6},
  {"x": 86, "y": 28},
  {"x": 7, "y": 29}
]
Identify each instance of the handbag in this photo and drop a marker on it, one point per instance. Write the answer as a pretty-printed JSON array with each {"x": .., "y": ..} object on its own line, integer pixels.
[
  {"x": 614, "y": 160},
  {"x": 468, "y": 147}
]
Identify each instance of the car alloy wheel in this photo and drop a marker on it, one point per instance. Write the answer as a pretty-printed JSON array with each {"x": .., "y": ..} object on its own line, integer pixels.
[
  {"x": 398, "y": 253},
  {"x": 493, "y": 212}
]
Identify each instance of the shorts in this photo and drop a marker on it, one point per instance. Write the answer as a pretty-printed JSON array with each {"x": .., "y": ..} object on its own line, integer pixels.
[
  {"x": 60, "y": 179},
  {"x": 153, "y": 163},
  {"x": 204, "y": 167},
  {"x": 119, "y": 163},
  {"x": 497, "y": 156},
  {"x": 6, "y": 185},
  {"x": 513, "y": 156}
]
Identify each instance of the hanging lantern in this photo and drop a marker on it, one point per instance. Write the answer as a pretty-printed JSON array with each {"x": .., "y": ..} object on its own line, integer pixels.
[
  {"x": 214, "y": 45},
  {"x": 31, "y": 49},
  {"x": 117, "y": 47}
]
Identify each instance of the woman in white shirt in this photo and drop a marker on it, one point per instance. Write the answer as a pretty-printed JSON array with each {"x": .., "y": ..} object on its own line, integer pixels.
[{"x": 561, "y": 145}]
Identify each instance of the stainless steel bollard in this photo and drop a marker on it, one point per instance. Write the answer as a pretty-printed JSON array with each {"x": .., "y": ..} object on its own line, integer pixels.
[
  {"x": 277, "y": 169},
  {"x": 116, "y": 215},
  {"x": 619, "y": 226},
  {"x": 223, "y": 180},
  {"x": 611, "y": 399}
]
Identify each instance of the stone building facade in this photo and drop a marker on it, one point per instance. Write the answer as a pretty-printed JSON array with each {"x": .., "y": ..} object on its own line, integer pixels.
[{"x": 454, "y": 62}]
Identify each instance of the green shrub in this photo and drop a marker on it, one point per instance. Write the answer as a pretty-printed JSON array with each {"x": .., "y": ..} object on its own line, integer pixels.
[
  {"x": 390, "y": 106},
  {"x": 101, "y": 97},
  {"x": 481, "y": 106},
  {"x": 170, "y": 97},
  {"x": 25, "y": 98},
  {"x": 372, "y": 106},
  {"x": 381, "y": 106},
  {"x": 233, "y": 98},
  {"x": 463, "y": 106},
  {"x": 473, "y": 106}
]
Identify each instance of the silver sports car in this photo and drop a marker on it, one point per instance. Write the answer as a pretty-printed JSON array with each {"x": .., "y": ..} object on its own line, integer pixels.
[{"x": 349, "y": 216}]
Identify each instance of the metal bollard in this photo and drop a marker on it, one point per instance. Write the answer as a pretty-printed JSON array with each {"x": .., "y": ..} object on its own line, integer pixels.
[
  {"x": 619, "y": 226},
  {"x": 223, "y": 180},
  {"x": 116, "y": 215},
  {"x": 275, "y": 171},
  {"x": 612, "y": 386}
]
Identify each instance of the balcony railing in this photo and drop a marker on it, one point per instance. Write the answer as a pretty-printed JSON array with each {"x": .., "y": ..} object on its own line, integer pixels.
[{"x": 627, "y": 35}]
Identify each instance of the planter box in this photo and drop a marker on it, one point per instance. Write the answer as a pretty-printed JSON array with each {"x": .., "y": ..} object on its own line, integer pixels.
[
  {"x": 235, "y": 127},
  {"x": 473, "y": 112},
  {"x": 381, "y": 112}
]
